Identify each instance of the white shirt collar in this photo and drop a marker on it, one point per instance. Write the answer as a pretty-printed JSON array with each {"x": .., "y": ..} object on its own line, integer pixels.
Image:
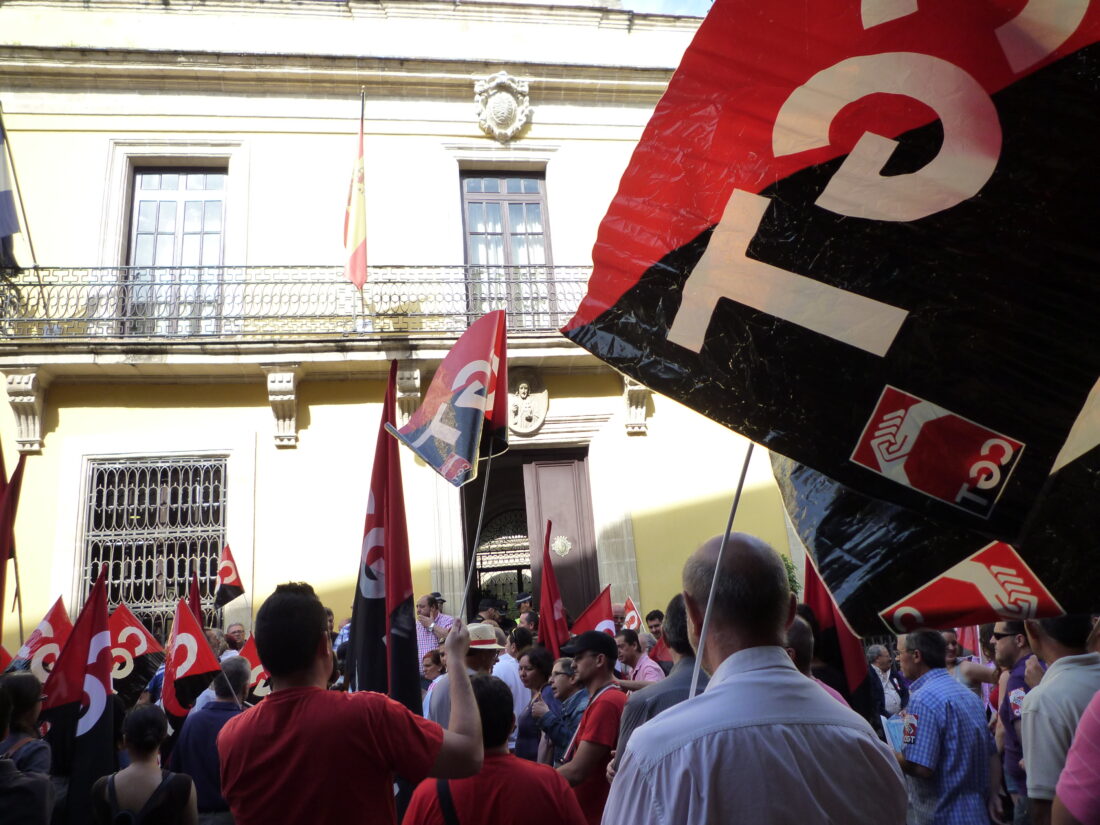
[{"x": 751, "y": 658}]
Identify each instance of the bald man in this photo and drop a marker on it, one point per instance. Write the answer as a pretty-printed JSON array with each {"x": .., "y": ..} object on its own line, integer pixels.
[{"x": 812, "y": 760}]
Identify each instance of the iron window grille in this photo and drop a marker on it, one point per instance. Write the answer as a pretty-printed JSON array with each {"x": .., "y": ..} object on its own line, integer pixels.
[{"x": 153, "y": 522}]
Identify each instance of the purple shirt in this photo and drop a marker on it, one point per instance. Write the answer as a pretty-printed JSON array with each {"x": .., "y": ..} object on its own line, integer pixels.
[{"x": 1011, "y": 704}]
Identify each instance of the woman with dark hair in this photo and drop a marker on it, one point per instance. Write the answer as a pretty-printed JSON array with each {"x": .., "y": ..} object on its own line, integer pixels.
[
  {"x": 22, "y": 744},
  {"x": 150, "y": 795},
  {"x": 535, "y": 666}
]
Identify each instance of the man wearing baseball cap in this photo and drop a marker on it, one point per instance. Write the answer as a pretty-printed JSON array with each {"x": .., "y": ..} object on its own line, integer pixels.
[
  {"x": 586, "y": 759},
  {"x": 480, "y": 658}
]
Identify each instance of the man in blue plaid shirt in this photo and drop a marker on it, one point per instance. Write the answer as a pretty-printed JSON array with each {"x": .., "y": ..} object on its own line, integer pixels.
[{"x": 948, "y": 753}]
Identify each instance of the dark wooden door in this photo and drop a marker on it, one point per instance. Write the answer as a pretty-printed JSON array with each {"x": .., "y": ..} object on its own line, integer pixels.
[{"x": 557, "y": 489}]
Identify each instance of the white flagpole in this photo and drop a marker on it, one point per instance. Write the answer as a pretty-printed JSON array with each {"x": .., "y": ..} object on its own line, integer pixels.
[
  {"x": 717, "y": 568},
  {"x": 477, "y": 539}
]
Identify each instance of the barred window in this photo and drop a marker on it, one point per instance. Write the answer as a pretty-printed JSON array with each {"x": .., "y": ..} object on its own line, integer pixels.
[{"x": 154, "y": 522}]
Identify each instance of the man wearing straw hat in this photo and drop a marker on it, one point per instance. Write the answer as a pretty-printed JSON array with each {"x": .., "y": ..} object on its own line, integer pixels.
[
  {"x": 480, "y": 658},
  {"x": 762, "y": 743}
]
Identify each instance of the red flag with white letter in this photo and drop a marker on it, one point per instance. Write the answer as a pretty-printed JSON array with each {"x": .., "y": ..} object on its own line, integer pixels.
[
  {"x": 258, "y": 682},
  {"x": 78, "y": 706},
  {"x": 190, "y": 667},
  {"x": 41, "y": 649},
  {"x": 230, "y": 585},
  {"x": 136, "y": 654},
  {"x": 382, "y": 653},
  {"x": 465, "y": 411},
  {"x": 598, "y": 615},
  {"x": 632, "y": 617},
  {"x": 553, "y": 630}
]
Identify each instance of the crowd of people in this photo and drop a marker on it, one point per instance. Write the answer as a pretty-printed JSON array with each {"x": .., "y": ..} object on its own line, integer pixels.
[{"x": 607, "y": 732}]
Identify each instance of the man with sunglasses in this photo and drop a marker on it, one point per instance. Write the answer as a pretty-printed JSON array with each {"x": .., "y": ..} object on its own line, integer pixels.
[
  {"x": 1011, "y": 652},
  {"x": 586, "y": 759}
]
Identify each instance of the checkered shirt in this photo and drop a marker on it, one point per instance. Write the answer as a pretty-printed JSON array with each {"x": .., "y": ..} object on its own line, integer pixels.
[{"x": 945, "y": 731}]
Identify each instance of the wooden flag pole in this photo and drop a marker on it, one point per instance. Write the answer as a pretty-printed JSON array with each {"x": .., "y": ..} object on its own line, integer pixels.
[
  {"x": 717, "y": 568},
  {"x": 18, "y": 591},
  {"x": 477, "y": 538}
]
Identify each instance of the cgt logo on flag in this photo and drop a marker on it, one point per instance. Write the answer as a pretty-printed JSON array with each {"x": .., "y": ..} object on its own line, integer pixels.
[
  {"x": 993, "y": 583},
  {"x": 936, "y": 452}
]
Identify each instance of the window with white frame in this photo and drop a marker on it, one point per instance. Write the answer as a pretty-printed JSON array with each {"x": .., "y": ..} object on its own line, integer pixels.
[
  {"x": 177, "y": 237},
  {"x": 508, "y": 245}
]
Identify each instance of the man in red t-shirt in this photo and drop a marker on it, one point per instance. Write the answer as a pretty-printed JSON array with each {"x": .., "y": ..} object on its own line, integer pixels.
[
  {"x": 508, "y": 791},
  {"x": 594, "y": 656},
  {"x": 278, "y": 758}
]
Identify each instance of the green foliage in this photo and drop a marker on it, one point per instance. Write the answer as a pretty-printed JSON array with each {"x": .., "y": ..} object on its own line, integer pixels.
[{"x": 792, "y": 575}]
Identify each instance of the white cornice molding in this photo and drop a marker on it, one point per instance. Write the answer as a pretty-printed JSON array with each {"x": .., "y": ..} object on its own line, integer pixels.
[{"x": 33, "y": 67}]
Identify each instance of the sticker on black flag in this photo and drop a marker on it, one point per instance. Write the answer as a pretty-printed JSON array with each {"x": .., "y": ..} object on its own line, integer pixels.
[{"x": 851, "y": 233}]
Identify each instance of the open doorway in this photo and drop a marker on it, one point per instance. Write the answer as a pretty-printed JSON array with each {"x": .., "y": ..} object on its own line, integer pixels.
[{"x": 527, "y": 487}]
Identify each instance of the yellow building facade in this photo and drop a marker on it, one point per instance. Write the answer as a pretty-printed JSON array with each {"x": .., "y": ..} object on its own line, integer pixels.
[{"x": 187, "y": 366}]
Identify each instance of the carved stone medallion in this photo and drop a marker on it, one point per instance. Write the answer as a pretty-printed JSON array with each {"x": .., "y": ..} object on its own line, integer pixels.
[
  {"x": 503, "y": 106},
  {"x": 528, "y": 401}
]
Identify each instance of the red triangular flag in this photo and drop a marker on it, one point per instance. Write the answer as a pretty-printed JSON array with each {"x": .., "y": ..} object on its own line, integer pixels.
[
  {"x": 259, "y": 681},
  {"x": 230, "y": 585},
  {"x": 553, "y": 630},
  {"x": 9, "y": 504},
  {"x": 632, "y": 617},
  {"x": 598, "y": 615},
  {"x": 194, "y": 598},
  {"x": 39, "y": 653},
  {"x": 191, "y": 665},
  {"x": 136, "y": 654},
  {"x": 832, "y": 625},
  {"x": 78, "y": 705}
]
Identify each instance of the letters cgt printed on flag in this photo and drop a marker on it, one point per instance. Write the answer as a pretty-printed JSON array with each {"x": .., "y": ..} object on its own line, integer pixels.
[
  {"x": 839, "y": 201},
  {"x": 465, "y": 411}
]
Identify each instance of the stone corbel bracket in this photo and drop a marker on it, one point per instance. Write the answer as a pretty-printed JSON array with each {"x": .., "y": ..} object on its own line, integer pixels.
[
  {"x": 282, "y": 393},
  {"x": 26, "y": 388},
  {"x": 637, "y": 399},
  {"x": 408, "y": 393}
]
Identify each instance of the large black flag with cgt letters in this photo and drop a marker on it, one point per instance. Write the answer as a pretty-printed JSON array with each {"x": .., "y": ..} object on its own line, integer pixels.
[{"x": 863, "y": 234}]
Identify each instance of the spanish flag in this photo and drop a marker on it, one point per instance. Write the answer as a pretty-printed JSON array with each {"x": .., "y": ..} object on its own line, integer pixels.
[{"x": 355, "y": 218}]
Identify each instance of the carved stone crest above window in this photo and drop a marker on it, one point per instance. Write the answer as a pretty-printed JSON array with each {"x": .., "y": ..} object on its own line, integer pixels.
[{"x": 503, "y": 106}]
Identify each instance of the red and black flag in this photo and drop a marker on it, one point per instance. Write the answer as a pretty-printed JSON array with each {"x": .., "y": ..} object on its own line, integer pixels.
[
  {"x": 135, "y": 652},
  {"x": 861, "y": 233},
  {"x": 40, "y": 651},
  {"x": 838, "y": 647},
  {"x": 465, "y": 412},
  {"x": 553, "y": 629},
  {"x": 190, "y": 666},
  {"x": 258, "y": 685},
  {"x": 9, "y": 505},
  {"x": 230, "y": 585},
  {"x": 78, "y": 706},
  {"x": 382, "y": 652}
]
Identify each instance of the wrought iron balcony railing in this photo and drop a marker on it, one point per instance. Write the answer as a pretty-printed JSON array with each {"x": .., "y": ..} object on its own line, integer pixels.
[{"x": 246, "y": 302}]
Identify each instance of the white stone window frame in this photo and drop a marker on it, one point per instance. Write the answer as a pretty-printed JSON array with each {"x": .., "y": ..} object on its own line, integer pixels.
[
  {"x": 126, "y": 156},
  {"x": 72, "y": 494}
]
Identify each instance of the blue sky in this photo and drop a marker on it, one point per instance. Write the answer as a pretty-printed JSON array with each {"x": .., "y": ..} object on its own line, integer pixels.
[{"x": 697, "y": 8}]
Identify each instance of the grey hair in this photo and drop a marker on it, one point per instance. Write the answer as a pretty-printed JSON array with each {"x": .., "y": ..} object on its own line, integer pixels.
[
  {"x": 874, "y": 651},
  {"x": 233, "y": 681},
  {"x": 649, "y": 641}
]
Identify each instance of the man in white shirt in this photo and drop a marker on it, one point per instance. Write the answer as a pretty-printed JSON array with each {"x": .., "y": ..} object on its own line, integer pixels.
[
  {"x": 507, "y": 670},
  {"x": 1053, "y": 708},
  {"x": 799, "y": 755}
]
